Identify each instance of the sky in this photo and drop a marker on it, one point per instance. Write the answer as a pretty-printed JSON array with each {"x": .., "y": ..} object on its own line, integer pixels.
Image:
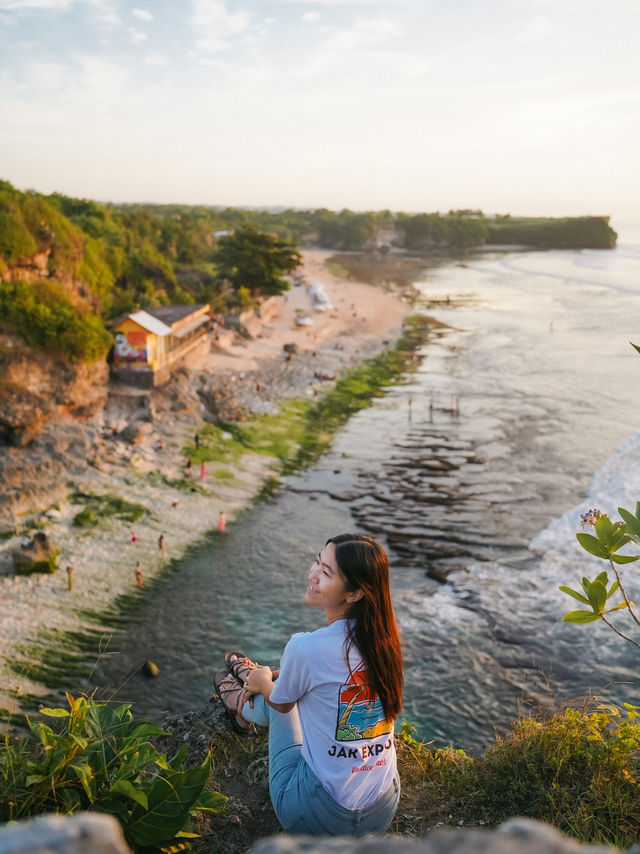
[{"x": 509, "y": 106}]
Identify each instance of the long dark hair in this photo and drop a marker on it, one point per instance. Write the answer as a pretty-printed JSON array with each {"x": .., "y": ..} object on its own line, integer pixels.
[{"x": 372, "y": 628}]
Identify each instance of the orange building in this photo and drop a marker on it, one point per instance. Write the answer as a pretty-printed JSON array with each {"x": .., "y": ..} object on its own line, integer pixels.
[{"x": 150, "y": 343}]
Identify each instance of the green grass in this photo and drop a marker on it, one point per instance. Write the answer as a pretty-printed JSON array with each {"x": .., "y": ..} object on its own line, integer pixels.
[
  {"x": 224, "y": 474},
  {"x": 579, "y": 770},
  {"x": 178, "y": 483},
  {"x": 99, "y": 507}
]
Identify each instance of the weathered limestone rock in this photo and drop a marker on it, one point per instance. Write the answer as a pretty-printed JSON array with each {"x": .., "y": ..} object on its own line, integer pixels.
[
  {"x": 29, "y": 268},
  {"x": 250, "y": 323},
  {"x": 55, "y": 834},
  {"x": 36, "y": 556},
  {"x": 135, "y": 433},
  {"x": 46, "y": 469},
  {"x": 269, "y": 309},
  {"x": 38, "y": 387},
  {"x": 517, "y": 836}
]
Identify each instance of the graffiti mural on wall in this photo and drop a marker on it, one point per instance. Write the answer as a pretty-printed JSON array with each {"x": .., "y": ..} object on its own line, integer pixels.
[{"x": 130, "y": 347}]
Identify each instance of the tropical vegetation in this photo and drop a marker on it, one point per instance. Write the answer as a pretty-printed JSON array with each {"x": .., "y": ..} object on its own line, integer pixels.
[
  {"x": 69, "y": 266},
  {"x": 92, "y": 756},
  {"x": 578, "y": 769}
]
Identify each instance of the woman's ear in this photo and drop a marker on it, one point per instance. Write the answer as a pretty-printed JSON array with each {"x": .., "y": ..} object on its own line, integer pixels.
[{"x": 354, "y": 596}]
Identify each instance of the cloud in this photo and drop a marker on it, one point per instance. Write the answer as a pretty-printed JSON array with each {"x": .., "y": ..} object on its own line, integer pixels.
[
  {"x": 136, "y": 36},
  {"x": 86, "y": 89},
  {"x": 366, "y": 49},
  {"x": 215, "y": 26},
  {"x": 310, "y": 17},
  {"x": 21, "y": 5},
  {"x": 365, "y": 32},
  {"x": 142, "y": 14},
  {"x": 336, "y": 2},
  {"x": 109, "y": 19},
  {"x": 155, "y": 59},
  {"x": 540, "y": 28}
]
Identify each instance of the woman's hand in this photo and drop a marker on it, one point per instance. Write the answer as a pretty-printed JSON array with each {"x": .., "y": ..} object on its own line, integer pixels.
[{"x": 259, "y": 681}]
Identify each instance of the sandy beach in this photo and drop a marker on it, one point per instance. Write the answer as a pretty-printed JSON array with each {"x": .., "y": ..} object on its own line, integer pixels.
[
  {"x": 361, "y": 317},
  {"x": 363, "y": 320}
]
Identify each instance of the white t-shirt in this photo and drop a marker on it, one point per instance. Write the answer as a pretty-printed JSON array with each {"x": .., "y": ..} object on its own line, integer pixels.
[{"x": 346, "y": 740}]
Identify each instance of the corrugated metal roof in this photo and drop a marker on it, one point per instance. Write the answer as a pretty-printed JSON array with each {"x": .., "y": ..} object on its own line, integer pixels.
[
  {"x": 189, "y": 327},
  {"x": 151, "y": 324},
  {"x": 172, "y": 314}
]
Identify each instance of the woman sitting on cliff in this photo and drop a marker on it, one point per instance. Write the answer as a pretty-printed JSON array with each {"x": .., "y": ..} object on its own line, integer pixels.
[{"x": 332, "y": 761}]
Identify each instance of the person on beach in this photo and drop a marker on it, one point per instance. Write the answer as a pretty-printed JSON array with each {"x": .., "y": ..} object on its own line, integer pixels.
[
  {"x": 222, "y": 524},
  {"x": 161, "y": 545},
  {"x": 331, "y": 712},
  {"x": 69, "y": 578},
  {"x": 133, "y": 536},
  {"x": 138, "y": 571},
  {"x": 203, "y": 471}
]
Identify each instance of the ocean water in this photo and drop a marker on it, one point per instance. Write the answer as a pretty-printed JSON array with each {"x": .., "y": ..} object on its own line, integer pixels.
[{"x": 521, "y": 414}]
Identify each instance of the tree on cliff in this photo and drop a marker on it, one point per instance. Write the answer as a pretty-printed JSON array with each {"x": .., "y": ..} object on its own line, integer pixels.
[{"x": 255, "y": 260}]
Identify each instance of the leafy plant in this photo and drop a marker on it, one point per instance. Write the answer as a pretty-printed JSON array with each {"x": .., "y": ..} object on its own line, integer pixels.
[
  {"x": 609, "y": 538},
  {"x": 100, "y": 760}
]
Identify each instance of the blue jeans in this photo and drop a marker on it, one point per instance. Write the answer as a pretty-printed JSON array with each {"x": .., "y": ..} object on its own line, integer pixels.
[{"x": 299, "y": 799}]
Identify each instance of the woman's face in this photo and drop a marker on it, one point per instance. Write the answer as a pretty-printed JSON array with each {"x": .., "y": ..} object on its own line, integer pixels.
[{"x": 326, "y": 586}]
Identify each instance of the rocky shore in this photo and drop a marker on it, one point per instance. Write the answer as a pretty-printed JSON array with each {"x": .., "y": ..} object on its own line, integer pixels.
[{"x": 133, "y": 447}]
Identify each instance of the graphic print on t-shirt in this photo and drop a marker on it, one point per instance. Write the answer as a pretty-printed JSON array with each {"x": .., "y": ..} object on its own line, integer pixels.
[{"x": 360, "y": 712}]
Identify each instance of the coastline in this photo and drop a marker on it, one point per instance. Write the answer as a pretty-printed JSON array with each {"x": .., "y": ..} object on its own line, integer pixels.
[{"x": 363, "y": 321}]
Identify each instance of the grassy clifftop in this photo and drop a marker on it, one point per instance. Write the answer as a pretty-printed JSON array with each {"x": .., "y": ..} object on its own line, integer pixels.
[
  {"x": 576, "y": 769},
  {"x": 585, "y": 232}
]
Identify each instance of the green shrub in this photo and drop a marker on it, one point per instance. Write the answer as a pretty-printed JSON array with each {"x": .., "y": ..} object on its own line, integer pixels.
[
  {"x": 95, "y": 271},
  {"x": 15, "y": 239},
  {"x": 579, "y": 770},
  {"x": 96, "y": 758},
  {"x": 84, "y": 518},
  {"x": 43, "y": 315}
]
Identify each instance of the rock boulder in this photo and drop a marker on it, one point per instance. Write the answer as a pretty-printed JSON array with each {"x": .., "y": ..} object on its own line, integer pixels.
[
  {"x": 516, "y": 836},
  {"x": 56, "y": 834},
  {"x": 38, "y": 555}
]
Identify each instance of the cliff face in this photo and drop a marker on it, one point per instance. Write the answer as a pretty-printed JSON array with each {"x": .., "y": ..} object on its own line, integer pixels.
[
  {"x": 29, "y": 268},
  {"x": 46, "y": 434},
  {"x": 36, "y": 388}
]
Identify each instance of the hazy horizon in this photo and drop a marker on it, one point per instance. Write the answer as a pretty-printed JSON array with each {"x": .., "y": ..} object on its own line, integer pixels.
[{"x": 528, "y": 108}]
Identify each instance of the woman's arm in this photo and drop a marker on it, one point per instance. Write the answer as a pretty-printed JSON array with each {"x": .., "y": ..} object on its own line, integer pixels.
[{"x": 260, "y": 681}]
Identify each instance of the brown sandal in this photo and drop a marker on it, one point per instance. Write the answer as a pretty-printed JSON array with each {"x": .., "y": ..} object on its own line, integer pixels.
[
  {"x": 239, "y": 665},
  {"x": 232, "y": 696}
]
